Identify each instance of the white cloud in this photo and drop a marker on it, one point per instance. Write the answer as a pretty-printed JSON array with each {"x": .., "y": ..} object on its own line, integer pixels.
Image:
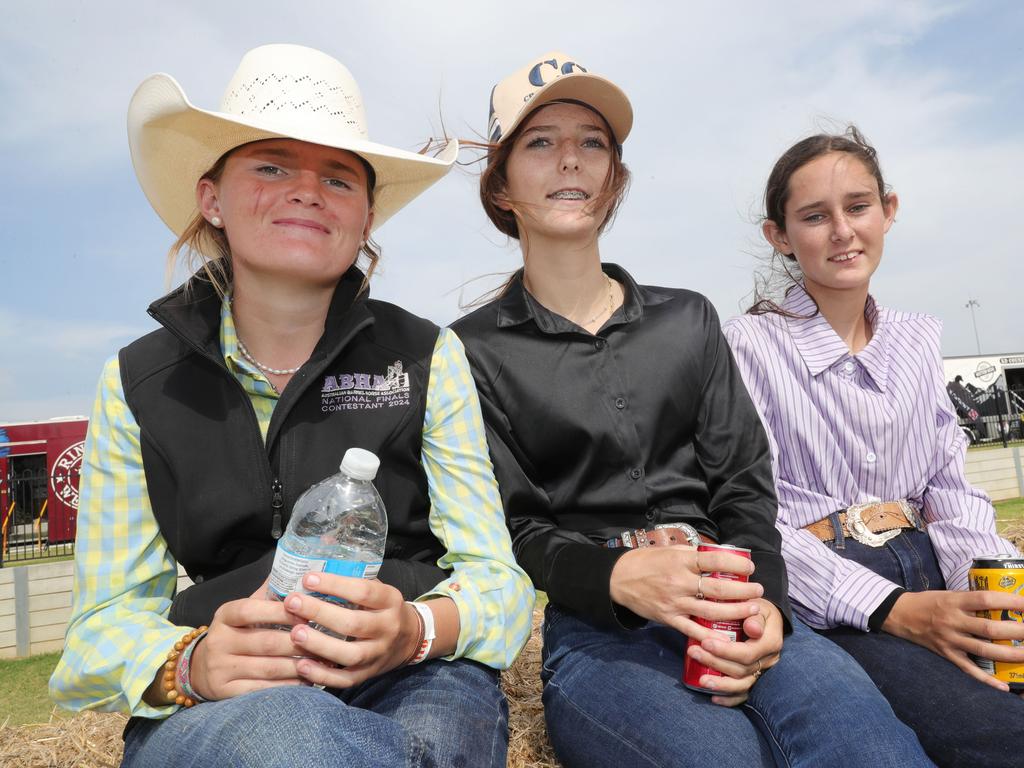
[
  {"x": 718, "y": 94},
  {"x": 21, "y": 333}
]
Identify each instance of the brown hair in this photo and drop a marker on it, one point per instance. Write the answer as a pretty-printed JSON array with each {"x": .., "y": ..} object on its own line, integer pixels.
[
  {"x": 200, "y": 239},
  {"x": 494, "y": 181},
  {"x": 783, "y": 271}
]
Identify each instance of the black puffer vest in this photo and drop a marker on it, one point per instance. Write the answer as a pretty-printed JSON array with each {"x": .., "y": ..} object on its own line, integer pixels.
[{"x": 221, "y": 496}]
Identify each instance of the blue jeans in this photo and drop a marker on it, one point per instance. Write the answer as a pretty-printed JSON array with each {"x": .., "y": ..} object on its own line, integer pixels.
[
  {"x": 960, "y": 721},
  {"x": 614, "y": 698},
  {"x": 435, "y": 714}
]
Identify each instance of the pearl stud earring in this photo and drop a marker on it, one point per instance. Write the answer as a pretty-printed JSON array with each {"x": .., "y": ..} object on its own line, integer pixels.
[{"x": 216, "y": 221}]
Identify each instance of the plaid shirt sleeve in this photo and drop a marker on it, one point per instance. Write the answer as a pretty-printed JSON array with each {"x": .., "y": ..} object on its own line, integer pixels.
[
  {"x": 494, "y": 595},
  {"x": 118, "y": 636}
]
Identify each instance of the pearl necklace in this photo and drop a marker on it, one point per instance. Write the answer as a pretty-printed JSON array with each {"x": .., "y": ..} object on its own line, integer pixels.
[
  {"x": 607, "y": 310},
  {"x": 265, "y": 368}
]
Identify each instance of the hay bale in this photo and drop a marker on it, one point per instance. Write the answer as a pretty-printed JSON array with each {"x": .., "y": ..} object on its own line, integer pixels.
[
  {"x": 87, "y": 740},
  {"x": 1015, "y": 533},
  {"x": 528, "y": 745},
  {"x": 93, "y": 739}
]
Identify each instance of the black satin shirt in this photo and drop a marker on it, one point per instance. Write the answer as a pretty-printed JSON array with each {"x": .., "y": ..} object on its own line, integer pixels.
[{"x": 646, "y": 422}]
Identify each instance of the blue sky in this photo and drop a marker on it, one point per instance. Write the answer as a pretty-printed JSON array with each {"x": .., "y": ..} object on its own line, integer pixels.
[{"x": 718, "y": 94}]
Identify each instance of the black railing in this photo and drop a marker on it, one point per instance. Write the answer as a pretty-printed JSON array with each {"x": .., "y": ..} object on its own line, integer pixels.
[
  {"x": 38, "y": 516},
  {"x": 994, "y": 430}
]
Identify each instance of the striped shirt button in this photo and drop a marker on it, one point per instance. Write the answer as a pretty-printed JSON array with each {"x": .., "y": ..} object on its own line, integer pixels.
[
  {"x": 848, "y": 366},
  {"x": 871, "y": 457}
]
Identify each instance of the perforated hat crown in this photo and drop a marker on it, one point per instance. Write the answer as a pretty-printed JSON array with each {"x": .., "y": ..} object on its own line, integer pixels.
[{"x": 278, "y": 91}]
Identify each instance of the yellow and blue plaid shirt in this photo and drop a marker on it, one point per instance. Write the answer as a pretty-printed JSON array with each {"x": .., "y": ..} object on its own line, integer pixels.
[{"x": 125, "y": 577}]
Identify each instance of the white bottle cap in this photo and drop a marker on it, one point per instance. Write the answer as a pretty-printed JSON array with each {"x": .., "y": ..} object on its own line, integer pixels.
[{"x": 360, "y": 464}]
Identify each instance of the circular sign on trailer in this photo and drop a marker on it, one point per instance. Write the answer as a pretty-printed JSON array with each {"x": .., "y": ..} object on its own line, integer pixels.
[
  {"x": 68, "y": 463},
  {"x": 985, "y": 371}
]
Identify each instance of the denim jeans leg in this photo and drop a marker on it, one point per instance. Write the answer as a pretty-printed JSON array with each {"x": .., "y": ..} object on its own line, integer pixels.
[
  {"x": 960, "y": 721},
  {"x": 821, "y": 709},
  {"x": 454, "y": 711},
  {"x": 268, "y": 729},
  {"x": 615, "y": 698}
]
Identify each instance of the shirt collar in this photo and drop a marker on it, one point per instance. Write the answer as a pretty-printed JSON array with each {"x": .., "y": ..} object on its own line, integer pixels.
[
  {"x": 517, "y": 306},
  {"x": 251, "y": 378},
  {"x": 820, "y": 347}
]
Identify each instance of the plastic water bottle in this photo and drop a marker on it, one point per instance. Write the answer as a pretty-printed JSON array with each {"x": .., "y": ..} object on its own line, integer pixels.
[{"x": 337, "y": 526}]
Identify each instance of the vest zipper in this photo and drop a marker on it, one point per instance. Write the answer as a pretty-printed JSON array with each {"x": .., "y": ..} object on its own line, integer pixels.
[{"x": 276, "y": 505}]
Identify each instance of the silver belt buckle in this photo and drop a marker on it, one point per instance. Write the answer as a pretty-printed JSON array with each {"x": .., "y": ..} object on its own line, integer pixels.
[
  {"x": 691, "y": 533},
  {"x": 859, "y": 530}
]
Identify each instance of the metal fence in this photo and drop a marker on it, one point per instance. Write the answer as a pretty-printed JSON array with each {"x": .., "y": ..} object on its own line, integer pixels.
[
  {"x": 38, "y": 517},
  {"x": 994, "y": 430}
]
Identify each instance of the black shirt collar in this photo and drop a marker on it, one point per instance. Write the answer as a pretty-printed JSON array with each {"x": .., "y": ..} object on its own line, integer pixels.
[{"x": 517, "y": 306}]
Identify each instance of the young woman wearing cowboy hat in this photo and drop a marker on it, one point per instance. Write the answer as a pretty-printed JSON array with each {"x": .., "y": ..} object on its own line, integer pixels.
[
  {"x": 207, "y": 430},
  {"x": 879, "y": 523},
  {"x": 613, "y": 408}
]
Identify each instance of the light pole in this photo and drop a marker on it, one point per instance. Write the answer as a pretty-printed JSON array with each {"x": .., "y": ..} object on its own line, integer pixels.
[{"x": 971, "y": 304}]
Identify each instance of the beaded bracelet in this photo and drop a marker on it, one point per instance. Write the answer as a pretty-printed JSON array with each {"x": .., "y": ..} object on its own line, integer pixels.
[
  {"x": 171, "y": 693},
  {"x": 184, "y": 673}
]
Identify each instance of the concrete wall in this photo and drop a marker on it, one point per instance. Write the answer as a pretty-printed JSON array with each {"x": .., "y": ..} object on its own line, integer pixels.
[
  {"x": 35, "y": 605},
  {"x": 998, "y": 470},
  {"x": 35, "y": 600}
]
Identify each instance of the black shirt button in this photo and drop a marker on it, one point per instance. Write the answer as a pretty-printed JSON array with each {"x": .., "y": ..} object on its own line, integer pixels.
[
  {"x": 620, "y": 403},
  {"x": 198, "y": 579},
  {"x": 649, "y": 514},
  {"x": 600, "y": 344},
  {"x": 635, "y": 473}
]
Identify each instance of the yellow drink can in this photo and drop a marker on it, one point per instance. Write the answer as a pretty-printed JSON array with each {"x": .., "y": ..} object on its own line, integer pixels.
[{"x": 1000, "y": 573}]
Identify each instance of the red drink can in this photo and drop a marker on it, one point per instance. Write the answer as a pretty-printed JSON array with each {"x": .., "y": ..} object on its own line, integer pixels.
[{"x": 694, "y": 670}]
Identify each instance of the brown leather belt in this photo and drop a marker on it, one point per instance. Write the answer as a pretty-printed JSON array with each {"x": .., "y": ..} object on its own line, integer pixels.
[
  {"x": 872, "y": 524},
  {"x": 662, "y": 536}
]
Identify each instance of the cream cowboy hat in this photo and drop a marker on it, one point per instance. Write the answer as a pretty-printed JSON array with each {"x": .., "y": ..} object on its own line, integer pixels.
[
  {"x": 278, "y": 91},
  {"x": 552, "y": 77}
]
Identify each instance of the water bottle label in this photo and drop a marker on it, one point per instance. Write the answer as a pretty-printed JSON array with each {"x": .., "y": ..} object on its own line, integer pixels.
[
  {"x": 288, "y": 570},
  {"x": 358, "y": 570}
]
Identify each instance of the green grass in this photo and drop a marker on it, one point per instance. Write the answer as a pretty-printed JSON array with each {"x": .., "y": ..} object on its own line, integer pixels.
[
  {"x": 37, "y": 561},
  {"x": 23, "y": 696},
  {"x": 992, "y": 445},
  {"x": 1008, "y": 511}
]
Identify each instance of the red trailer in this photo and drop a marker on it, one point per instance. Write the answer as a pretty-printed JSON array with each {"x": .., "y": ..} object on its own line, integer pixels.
[{"x": 40, "y": 462}]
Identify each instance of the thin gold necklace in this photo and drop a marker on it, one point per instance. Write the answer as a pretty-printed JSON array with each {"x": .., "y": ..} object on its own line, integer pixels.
[{"x": 607, "y": 310}]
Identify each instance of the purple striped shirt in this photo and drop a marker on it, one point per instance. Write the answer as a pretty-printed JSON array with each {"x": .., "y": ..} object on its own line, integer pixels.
[{"x": 847, "y": 429}]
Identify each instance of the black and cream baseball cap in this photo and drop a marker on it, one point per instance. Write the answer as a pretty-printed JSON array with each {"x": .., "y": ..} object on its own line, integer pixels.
[{"x": 553, "y": 77}]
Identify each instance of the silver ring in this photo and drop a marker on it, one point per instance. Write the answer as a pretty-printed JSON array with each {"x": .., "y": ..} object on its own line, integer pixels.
[
  {"x": 700, "y": 593},
  {"x": 757, "y": 672}
]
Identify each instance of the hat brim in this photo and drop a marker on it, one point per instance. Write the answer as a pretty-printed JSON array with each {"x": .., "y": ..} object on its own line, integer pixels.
[
  {"x": 173, "y": 143},
  {"x": 595, "y": 91}
]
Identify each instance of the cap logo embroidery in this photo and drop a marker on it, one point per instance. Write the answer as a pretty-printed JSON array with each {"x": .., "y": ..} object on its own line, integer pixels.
[{"x": 536, "y": 76}]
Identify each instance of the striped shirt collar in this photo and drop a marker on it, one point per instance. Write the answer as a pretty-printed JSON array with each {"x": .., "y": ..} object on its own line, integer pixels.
[{"x": 820, "y": 347}]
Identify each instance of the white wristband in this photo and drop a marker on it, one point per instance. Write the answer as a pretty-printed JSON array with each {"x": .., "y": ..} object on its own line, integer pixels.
[{"x": 428, "y": 632}]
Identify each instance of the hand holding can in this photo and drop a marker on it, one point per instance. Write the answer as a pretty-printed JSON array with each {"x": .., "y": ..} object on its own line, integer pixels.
[{"x": 731, "y": 628}]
